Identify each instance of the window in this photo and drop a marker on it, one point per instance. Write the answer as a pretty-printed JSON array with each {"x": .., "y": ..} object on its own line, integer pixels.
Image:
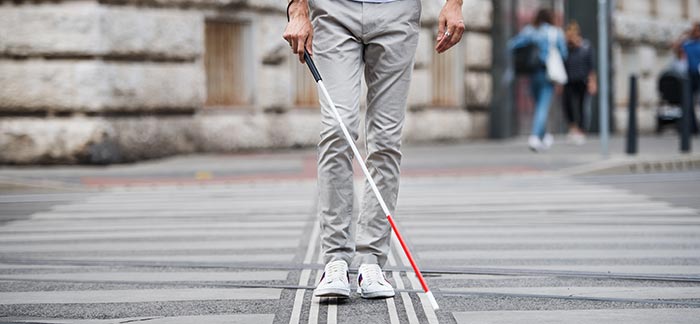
[
  {"x": 447, "y": 76},
  {"x": 224, "y": 62}
]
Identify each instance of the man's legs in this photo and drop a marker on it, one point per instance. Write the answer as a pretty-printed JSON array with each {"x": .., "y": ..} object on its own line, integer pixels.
[
  {"x": 391, "y": 37},
  {"x": 338, "y": 55}
]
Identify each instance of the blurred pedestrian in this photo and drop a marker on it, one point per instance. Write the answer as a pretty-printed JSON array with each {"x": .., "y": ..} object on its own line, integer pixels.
[
  {"x": 581, "y": 82},
  {"x": 549, "y": 42},
  {"x": 377, "y": 40},
  {"x": 691, "y": 47}
]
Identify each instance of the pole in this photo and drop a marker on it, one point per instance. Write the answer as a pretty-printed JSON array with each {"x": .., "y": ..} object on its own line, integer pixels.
[
  {"x": 500, "y": 114},
  {"x": 632, "y": 114},
  {"x": 603, "y": 75},
  {"x": 686, "y": 106},
  {"x": 317, "y": 76}
]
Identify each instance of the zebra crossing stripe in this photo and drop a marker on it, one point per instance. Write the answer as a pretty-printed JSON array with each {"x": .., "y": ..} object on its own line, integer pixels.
[
  {"x": 135, "y": 295},
  {"x": 305, "y": 275},
  {"x": 208, "y": 319},
  {"x": 407, "y": 303}
]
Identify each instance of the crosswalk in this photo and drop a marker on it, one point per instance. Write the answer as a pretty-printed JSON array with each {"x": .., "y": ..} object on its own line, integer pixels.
[
  {"x": 142, "y": 248},
  {"x": 548, "y": 237},
  {"x": 249, "y": 253}
]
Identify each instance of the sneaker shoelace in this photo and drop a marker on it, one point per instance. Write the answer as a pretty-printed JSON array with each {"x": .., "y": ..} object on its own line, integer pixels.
[
  {"x": 335, "y": 271},
  {"x": 370, "y": 275}
]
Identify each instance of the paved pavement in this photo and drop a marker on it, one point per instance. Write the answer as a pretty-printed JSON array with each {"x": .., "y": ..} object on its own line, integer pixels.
[{"x": 503, "y": 236}]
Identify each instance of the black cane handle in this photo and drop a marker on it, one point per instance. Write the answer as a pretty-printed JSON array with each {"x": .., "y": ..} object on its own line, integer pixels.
[{"x": 312, "y": 66}]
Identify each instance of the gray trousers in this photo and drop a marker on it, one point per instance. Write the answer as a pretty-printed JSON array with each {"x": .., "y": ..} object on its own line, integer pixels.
[{"x": 380, "y": 40}]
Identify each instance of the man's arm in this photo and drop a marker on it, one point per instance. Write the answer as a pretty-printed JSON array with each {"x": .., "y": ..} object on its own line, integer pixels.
[
  {"x": 299, "y": 32},
  {"x": 450, "y": 25}
]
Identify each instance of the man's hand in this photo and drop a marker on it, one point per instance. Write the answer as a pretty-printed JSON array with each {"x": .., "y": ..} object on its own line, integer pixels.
[
  {"x": 450, "y": 25},
  {"x": 299, "y": 32}
]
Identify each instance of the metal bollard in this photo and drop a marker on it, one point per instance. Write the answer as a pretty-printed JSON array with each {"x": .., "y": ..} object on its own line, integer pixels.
[
  {"x": 685, "y": 117},
  {"x": 631, "y": 147}
]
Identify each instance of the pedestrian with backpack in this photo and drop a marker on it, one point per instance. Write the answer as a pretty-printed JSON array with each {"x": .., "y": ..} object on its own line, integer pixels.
[{"x": 545, "y": 40}]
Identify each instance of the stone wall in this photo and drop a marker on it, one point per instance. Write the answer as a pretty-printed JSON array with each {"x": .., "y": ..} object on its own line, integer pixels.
[
  {"x": 643, "y": 33},
  {"x": 124, "y": 80}
]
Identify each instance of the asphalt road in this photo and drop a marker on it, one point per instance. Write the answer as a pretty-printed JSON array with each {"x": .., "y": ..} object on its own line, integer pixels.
[{"x": 509, "y": 244}]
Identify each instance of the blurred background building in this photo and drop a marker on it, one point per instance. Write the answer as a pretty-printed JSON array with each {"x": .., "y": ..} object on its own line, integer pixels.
[{"x": 124, "y": 80}]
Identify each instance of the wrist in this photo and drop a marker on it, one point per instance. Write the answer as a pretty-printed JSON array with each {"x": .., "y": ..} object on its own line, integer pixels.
[
  {"x": 454, "y": 2},
  {"x": 298, "y": 8}
]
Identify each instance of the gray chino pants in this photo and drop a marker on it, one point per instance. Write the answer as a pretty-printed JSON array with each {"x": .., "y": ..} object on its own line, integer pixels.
[{"x": 380, "y": 40}]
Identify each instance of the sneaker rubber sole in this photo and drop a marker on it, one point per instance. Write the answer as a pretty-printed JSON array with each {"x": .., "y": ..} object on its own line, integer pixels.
[
  {"x": 376, "y": 294},
  {"x": 332, "y": 292}
]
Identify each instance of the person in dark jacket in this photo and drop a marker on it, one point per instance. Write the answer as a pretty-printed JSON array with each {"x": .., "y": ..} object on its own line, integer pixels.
[{"x": 581, "y": 82}]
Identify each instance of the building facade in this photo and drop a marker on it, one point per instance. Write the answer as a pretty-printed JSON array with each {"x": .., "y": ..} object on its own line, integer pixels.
[
  {"x": 643, "y": 33},
  {"x": 125, "y": 80},
  {"x": 110, "y": 81}
]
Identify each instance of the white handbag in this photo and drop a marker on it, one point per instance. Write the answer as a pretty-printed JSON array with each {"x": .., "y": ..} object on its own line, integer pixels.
[{"x": 556, "y": 72}]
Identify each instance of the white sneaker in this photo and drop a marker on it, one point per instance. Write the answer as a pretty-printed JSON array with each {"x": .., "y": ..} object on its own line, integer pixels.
[
  {"x": 335, "y": 281},
  {"x": 576, "y": 138},
  {"x": 535, "y": 144},
  {"x": 372, "y": 283},
  {"x": 548, "y": 140}
]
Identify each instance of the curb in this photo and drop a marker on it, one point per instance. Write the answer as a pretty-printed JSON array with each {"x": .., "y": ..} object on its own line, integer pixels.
[{"x": 636, "y": 165}]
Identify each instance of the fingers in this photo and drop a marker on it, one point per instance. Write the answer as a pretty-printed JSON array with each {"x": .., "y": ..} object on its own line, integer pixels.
[
  {"x": 457, "y": 36},
  {"x": 442, "y": 24},
  {"x": 309, "y": 44},
  {"x": 299, "y": 48},
  {"x": 445, "y": 39},
  {"x": 454, "y": 34}
]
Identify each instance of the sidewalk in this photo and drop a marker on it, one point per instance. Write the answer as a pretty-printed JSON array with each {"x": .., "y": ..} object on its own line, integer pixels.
[{"x": 478, "y": 158}]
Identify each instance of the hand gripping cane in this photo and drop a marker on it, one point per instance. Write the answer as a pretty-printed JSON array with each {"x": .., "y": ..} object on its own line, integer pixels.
[{"x": 317, "y": 76}]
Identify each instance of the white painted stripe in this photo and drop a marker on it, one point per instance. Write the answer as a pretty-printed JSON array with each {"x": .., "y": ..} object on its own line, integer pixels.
[
  {"x": 450, "y": 276},
  {"x": 551, "y": 241},
  {"x": 558, "y": 230},
  {"x": 258, "y": 257},
  {"x": 612, "y": 268},
  {"x": 209, "y": 319},
  {"x": 425, "y": 302},
  {"x": 558, "y": 207},
  {"x": 521, "y": 199},
  {"x": 242, "y": 244},
  {"x": 598, "y": 292},
  {"x": 558, "y": 254},
  {"x": 316, "y": 301},
  {"x": 305, "y": 275},
  {"x": 134, "y": 295},
  {"x": 108, "y": 226},
  {"x": 154, "y": 276},
  {"x": 393, "y": 313},
  {"x": 332, "y": 316},
  {"x": 188, "y": 235},
  {"x": 578, "y": 216},
  {"x": 407, "y": 303},
  {"x": 210, "y": 204},
  {"x": 257, "y": 214},
  {"x": 35, "y": 266},
  {"x": 588, "y": 316}
]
